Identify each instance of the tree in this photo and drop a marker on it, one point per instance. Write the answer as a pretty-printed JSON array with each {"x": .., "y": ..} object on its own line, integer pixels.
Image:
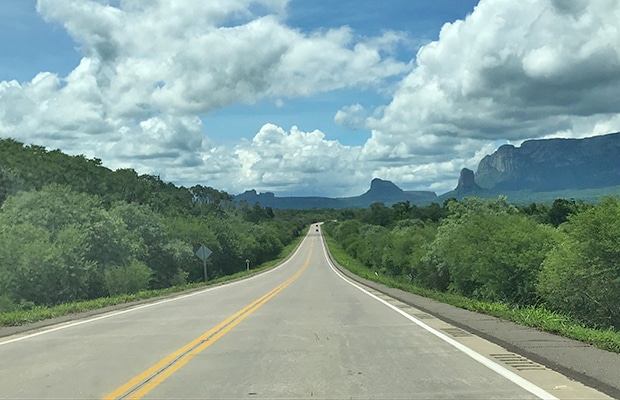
[
  {"x": 38, "y": 269},
  {"x": 193, "y": 232},
  {"x": 537, "y": 211},
  {"x": 69, "y": 227},
  {"x": 378, "y": 214},
  {"x": 408, "y": 246},
  {"x": 581, "y": 276},
  {"x": 10, "y": 183},
  {"x": 560, "y": 210},
  {"x": 401, "y": 210},
  {"x": 490, "y": 251},
  {"x": 86, "y": 233},
  {"x": 433, "y": 212},
  {"x": 209, "y": 195}
]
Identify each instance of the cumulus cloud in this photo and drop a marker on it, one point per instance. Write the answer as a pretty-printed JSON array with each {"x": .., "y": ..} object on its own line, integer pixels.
[
  {"x": 352, "y": 117},
  {"x": 51, "y": 107},
  {"x": 151, "y": 69},
  {"x": 185, "y": 56},
  {"x": 510, "y": 71},
  {"x": 299, "y": 162}
]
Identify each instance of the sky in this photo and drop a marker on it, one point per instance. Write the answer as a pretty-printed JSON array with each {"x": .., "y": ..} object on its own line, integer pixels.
[{"x": 305, "y": 97}]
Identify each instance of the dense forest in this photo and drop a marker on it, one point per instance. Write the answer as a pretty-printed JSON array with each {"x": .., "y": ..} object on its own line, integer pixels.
[
  {"x": 563, "y": 256},
  {"x": 71, "y": 229}
]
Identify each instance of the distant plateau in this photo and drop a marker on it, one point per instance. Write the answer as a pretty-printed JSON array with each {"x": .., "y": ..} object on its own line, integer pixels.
[{"x": 537, "y": 171}]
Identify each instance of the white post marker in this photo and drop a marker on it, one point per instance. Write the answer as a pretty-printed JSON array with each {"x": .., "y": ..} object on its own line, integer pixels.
[{"x": 203, "y": 253}]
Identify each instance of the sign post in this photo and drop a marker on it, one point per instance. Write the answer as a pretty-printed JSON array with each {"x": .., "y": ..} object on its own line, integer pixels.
[{"x": 203, "y": 253}]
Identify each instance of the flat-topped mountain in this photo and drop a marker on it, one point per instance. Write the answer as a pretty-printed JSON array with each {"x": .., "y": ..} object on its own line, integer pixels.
[
  {"x": 538, "y": 170},
  {"x": 269, "y": 199},
  {"x": 553, "y": 164},
  {"x": 546, "y": 169},
  {"x": 380, "y": 191}
]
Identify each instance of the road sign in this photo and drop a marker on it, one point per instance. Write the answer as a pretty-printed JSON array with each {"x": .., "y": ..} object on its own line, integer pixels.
[{"x": 203, "y": 252}]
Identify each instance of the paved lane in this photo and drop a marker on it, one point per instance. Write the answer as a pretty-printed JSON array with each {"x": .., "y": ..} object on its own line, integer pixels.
[
  {"x": 92, "y": 358},
  {"x": 298, "y": 331}
]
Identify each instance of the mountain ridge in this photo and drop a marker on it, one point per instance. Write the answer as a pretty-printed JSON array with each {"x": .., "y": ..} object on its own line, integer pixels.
[
  {"x": 533, "y": 171},
  {"x": 380, "y": 191},
  {"x": 543, "y": 165}
]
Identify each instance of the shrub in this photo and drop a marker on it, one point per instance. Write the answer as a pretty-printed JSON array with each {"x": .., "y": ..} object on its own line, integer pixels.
[
  {"x": 581, "y": 276},
  {"x": 491, "y": 252},
  {"x": 128, "y": 279}
]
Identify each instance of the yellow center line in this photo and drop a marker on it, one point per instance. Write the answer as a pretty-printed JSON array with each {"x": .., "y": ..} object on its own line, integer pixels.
[{"x": 142, "y": 384}]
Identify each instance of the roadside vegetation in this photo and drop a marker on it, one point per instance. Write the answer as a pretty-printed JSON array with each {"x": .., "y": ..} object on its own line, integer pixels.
[
  {"x": 75, "y": 235},
  {"x": 21, "y": 316},
  {"x": 553, "y": 267}
]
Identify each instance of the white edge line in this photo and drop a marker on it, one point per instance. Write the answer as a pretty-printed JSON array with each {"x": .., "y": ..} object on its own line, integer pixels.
[
  {"x": 140, "y": 307},
  {"x": 511, "y": 376}
]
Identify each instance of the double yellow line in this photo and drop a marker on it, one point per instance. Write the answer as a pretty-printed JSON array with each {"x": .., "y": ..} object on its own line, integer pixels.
[{"x": 143, "y": 383}]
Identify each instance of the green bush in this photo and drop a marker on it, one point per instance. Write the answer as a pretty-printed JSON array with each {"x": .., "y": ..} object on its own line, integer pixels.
[
  {"x": 491, "y": 252},
  {"x": 6, "y": 304},
  {"x": 581, "y": 276},
  {"x": 127, "y": 279}
]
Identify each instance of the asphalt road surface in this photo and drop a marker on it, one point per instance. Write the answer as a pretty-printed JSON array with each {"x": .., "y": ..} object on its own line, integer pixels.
[{"x": 301, "y": 330}]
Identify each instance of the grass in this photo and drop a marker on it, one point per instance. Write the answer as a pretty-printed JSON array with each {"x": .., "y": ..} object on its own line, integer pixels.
[
  {"x": 39, "y": 313},
  {"x": 534, "y": 316}
]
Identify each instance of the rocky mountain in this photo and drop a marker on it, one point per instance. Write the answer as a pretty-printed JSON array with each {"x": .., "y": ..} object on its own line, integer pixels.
[
  {"x": 538, "y": 170},
  {"x": 380, "y": 191},
  {"x": 467, "y": 187},
  {"x": 387, "y": 192},
  {"x": 553, "y": 164},
  {"x": 467, "y": 182}
]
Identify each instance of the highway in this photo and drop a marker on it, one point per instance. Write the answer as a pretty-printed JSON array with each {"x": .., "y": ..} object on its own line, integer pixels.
[{"x": 300, "y": 330}]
